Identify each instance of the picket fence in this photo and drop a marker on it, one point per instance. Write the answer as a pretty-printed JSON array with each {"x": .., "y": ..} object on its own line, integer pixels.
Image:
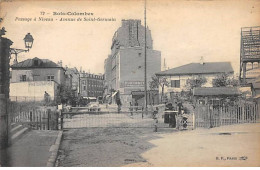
[
  {"x": 37, "y": 118},
  {"x": 209, "y": 116}
]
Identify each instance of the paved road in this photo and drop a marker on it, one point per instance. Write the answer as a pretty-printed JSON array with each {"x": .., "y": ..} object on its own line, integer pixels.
[
  {"x": 233, "y": 145},
  {"x": 97, "y": 147},
  {"x": 108, "y": 139}
]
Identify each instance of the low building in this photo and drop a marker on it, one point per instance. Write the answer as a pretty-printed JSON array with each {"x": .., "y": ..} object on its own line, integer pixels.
[
  {"x": 215, "y": 95},
  {"x": 37, "y": 75},
  {"x": 177, "y": 77},
  {"x": 256, "y": 87}
]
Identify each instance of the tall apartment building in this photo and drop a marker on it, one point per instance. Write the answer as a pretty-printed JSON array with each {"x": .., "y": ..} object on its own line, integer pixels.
[
  {"x": 91, "y": 85},
  {"x": 124, "y": 68}
]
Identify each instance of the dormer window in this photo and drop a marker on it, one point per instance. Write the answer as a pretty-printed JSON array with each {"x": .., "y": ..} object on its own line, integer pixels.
[{"x": 36, "y": 62}]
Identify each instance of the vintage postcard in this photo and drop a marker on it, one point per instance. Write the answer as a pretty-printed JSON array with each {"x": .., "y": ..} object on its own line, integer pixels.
[{"x": 118, "y": 83}]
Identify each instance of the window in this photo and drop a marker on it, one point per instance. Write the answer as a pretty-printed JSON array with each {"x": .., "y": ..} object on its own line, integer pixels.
[
  {"x": 175, "y": 83},
  {"x": 140, "y": 54},
  {"x": 84, "y": 87},
  {"x": 50, "y": 78},
  {"x": 23, "y": 78}
]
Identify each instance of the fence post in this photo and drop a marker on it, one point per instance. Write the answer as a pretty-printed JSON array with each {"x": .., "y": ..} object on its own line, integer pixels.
[
  {"x": 220, "y": 116},
  {"x": 30, "y": 116},
  {"x": 57, "y": 121},
  {"x": 193, "y": 121},
  {"x": 243, "y": 116},
  {"x": 40, "y": 120},
  {"x": 37, "y": 121},
  {"x": 61, "y": 120},
  {"x": 48, "y": 119}
]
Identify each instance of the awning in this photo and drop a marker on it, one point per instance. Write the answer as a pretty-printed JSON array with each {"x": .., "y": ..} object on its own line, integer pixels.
[
  {"x": 257, "y": 96},
  {"x": 91, "y": 98},
  {"x": 137, "y": 93}
]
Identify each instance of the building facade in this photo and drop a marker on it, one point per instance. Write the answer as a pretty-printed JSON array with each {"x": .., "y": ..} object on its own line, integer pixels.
[
  {"x": 37, "y": 70},
  {"x": 91, "y": 85},
  {"x": 177, "y": 77},
  {"x": 42, "y": 71},
  {"x": 124, "y": 68},
  {"x": 72, "y": 79}
]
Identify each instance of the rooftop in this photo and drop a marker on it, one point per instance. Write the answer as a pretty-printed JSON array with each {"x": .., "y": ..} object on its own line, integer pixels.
[
  {"x": 216, "y": 91},
  {"x": 197, "y": 68},
  {"x": 36, "y": 63}
]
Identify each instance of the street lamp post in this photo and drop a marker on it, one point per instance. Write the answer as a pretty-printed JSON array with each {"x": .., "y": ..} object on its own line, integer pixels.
[{"x": 28, "y": 42}]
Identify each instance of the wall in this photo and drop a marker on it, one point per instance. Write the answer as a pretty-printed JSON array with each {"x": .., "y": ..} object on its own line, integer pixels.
[
  {"x": 108, "y": 68},
  {"x": 132, "y": 66},
  {"x": 4, "y": 93},
  {"x": 33, "y": 90},
  {"x": 39, "y": 74}
]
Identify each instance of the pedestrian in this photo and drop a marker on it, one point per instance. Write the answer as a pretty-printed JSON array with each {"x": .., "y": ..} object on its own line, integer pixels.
[
  {"x": 118, "y": 102},
  {"x": 155, "y": 113},
  {"x": 46, "y": 98},
  {"x": 131, "y": 108},
  {"x": 179, "y": 107},
  {"x": 136, "y": 105}
]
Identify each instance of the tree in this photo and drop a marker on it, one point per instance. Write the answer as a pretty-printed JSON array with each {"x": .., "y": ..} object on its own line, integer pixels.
[
  {"x": 66, "y": 94},
  {"x": 192, "y": 83},
  {"x": 159, "y": 82},
  {"x": 195, "y": 82},
  {"x": 222, "y": 80}
]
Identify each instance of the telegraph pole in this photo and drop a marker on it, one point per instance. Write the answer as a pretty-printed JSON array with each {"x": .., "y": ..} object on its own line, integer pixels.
[{"x": 145, "y": 69}]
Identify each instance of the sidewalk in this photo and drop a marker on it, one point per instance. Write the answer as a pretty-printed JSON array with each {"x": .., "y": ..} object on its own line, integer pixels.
[
  {"x": 33, "y": 149},
  {"x": 234, "y": 145}
]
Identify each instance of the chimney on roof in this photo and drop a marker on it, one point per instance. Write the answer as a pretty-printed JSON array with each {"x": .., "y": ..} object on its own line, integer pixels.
[
  {"x": 202, "y": 60},
  {"x": 15, "y": 61},
  {"x": 59, "y": 63}
]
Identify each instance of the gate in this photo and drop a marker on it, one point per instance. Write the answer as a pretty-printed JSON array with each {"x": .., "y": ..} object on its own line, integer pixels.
[
  {"x": 209, "y": 116},
  {"x": 112, "y": 118}
]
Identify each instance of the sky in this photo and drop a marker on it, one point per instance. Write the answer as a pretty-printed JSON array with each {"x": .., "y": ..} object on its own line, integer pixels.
[{"x": 184, "y": 31}]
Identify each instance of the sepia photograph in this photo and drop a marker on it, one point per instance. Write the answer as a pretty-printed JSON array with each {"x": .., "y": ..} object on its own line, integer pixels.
[{"x": 120, "y": 83}]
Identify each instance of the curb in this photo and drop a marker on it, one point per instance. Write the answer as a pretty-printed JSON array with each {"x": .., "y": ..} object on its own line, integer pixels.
[{"x": 54, "y": 151}]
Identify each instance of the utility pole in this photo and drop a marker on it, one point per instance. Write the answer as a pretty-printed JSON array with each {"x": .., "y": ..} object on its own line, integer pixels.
[{"x": 145, "y": 69}]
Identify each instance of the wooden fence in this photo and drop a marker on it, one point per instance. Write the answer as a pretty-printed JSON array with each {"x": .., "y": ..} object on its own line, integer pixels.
[
  {"x": 213, "y": 116},
  {"x": 37, "y": 118}
]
